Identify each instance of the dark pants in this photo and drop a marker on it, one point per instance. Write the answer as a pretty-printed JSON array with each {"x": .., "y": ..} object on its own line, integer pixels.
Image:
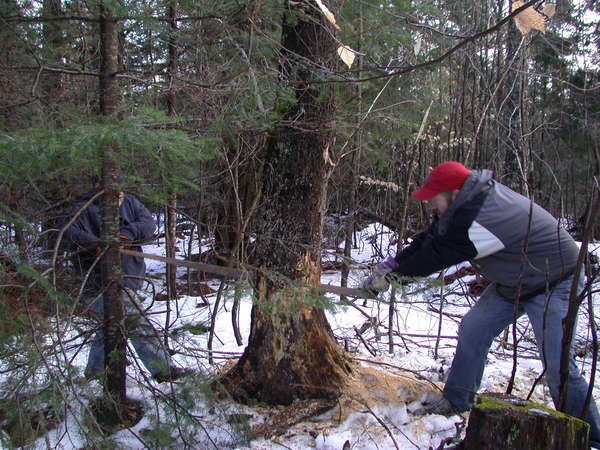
[{"x": 140, "y": 331}]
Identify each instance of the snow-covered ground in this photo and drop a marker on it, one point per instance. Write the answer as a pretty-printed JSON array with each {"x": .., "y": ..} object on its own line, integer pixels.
[{"x": 419, "y": 360}]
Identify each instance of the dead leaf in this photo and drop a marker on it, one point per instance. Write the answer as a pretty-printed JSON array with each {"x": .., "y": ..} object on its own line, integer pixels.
[
  {"x": 346, "y": 54},
  {"x": 328, "y": 14},
  {"x": 529, "y": 19},
  {"x": 549, "y": 10},
  {"x": 417, "y": 46}
]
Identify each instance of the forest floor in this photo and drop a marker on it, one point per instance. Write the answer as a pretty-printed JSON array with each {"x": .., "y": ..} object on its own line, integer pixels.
[{"x": 394, "y": 372}]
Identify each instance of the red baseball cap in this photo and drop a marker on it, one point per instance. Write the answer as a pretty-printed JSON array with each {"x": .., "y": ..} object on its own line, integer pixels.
[{"x": 447, "y": 176}]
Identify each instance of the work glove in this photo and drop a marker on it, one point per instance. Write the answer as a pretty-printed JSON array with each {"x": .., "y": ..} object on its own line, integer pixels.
[
  {"x": 377, "y": 282},
  {"x": 125, "y": 239},
  {"x": 91, "y": 249}
]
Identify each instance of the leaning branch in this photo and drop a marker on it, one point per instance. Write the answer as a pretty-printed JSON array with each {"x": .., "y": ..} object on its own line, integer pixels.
[
  {"x": 575, "y": 298},
  {"x": 47, "y": 19}
]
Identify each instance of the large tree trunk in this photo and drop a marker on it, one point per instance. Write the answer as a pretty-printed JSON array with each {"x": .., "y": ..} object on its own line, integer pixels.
[{"x": 291, "y": 353}]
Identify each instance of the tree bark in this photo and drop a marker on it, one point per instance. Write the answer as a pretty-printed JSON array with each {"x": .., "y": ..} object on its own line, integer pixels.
[
  {"x": 114, "y": 338},
  {"x": 109, "y": 47},
  {"x": 170, "y": 210},
  {"x": 291, "y": 353}
]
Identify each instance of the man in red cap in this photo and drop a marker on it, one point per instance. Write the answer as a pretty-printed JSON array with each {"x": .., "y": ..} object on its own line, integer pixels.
[{"x": 529, "y": 259}]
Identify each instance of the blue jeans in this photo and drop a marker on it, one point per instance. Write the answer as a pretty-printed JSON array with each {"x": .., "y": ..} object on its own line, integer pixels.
[
  {"x": 486, "y": 320},
  {"x": 140, "y": 332}
]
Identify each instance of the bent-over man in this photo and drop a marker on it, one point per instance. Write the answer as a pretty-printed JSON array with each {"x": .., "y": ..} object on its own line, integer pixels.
[{"x": 526, "y": 255}]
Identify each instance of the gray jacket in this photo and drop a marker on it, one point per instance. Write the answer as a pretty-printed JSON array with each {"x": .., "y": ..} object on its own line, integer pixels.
[
  {"x": 83, "y": 238},
  {"x": 509, "y": 239}
]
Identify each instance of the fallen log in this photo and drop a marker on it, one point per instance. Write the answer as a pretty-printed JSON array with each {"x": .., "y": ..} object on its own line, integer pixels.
[{"x": 245, "y": 273}]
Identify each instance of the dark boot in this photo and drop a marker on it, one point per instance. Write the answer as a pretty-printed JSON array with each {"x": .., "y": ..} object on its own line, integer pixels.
[{"x": 173, "y": 373}]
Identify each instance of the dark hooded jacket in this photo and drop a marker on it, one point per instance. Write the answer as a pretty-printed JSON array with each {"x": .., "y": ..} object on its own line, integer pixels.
[
  {"x": 509, "y": 239},
  {"x": 83, "y": 239}
]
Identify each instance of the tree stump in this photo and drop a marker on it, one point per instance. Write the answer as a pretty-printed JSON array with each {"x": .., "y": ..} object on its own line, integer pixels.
[{"x": 500, "y": 422}]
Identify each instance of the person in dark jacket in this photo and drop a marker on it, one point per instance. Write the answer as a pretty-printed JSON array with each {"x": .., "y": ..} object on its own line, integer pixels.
[
  {"x": 83, "y": 239},
  {"x": 526, "y": 255}
]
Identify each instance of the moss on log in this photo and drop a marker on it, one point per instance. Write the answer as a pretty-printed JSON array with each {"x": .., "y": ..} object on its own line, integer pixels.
[{"x": 502, "y": 422}]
